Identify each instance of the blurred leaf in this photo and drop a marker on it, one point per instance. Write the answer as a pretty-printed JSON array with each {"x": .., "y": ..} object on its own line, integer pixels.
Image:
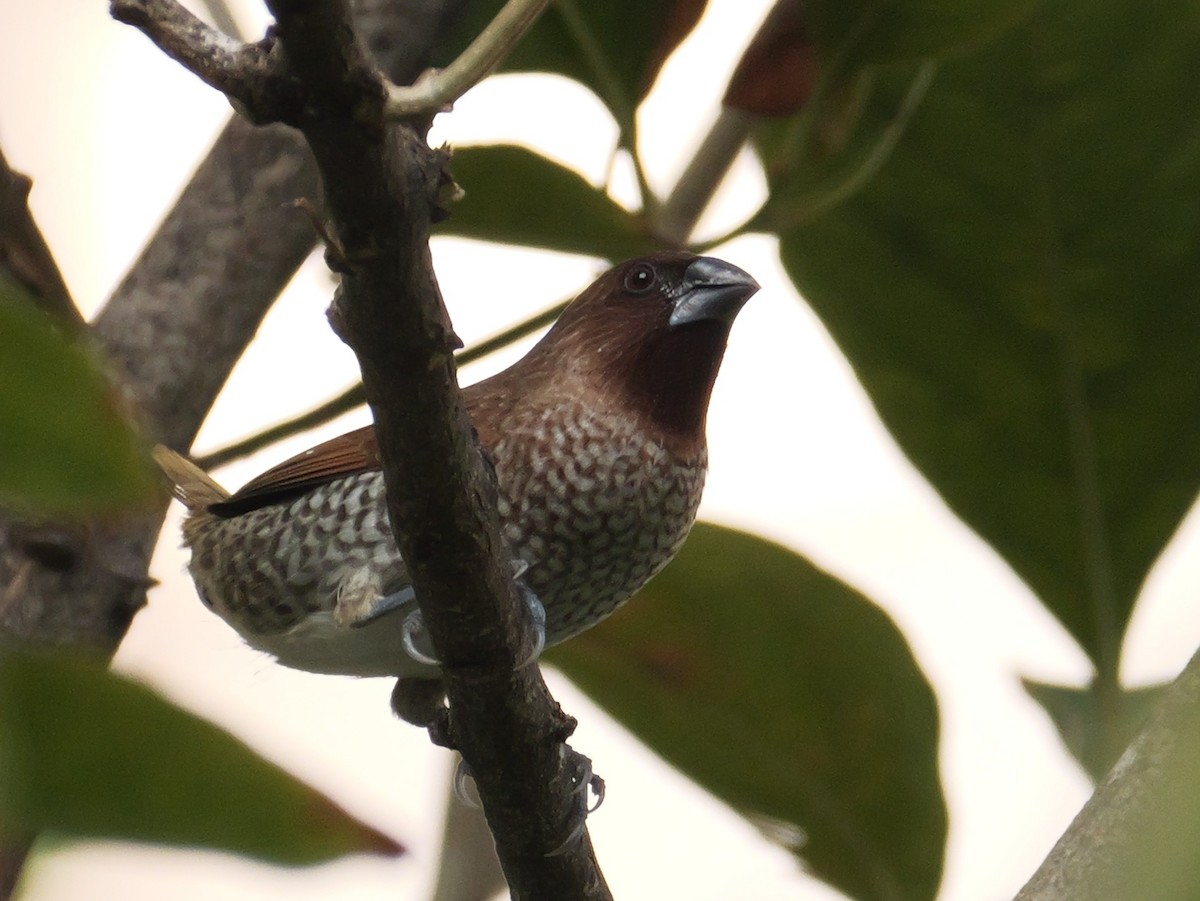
[
  {"x": 1017, "y": 290},
  {"x": 87, "y": 753},
  {"x": 837, "y": 86},
  {"x": 789, "y": 695},
  {"x": 64, "y": 446},
  {"x": 1095, "y": 739},
  {"x": 779, "y": 70},
  {"x": 516, "y": 196},
  {"x": 820, "y": 159},
  {"x": 616, "y": 48},
  {"x": 890, "y": 30}
]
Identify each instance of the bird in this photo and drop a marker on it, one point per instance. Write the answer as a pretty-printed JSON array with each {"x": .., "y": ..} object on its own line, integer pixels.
[{"x": 597, "y": 440}]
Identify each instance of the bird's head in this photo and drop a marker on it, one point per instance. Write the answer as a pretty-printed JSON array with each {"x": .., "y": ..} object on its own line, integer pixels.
[{"x": 648, "y": 335}]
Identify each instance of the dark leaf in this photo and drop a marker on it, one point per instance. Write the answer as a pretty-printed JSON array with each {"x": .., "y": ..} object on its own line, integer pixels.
[
  {"x": 789, "y": 695},
  {"x": 1017, "y": 290},
  {"x": 865, "y": 31},
  {"x": 515, "y": 196},
  {"x": 1096, "y": 731},
  {"x": 616, "y": 48},
  {"x": 89, "y": 754},
  {"x": 65, "y": 448},
  {"x": 822, "y": 158},
  {"x": 779, "y": 70}
]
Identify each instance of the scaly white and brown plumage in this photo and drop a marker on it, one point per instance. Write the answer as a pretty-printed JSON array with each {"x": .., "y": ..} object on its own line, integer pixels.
[{"x": 597, "y": 436}]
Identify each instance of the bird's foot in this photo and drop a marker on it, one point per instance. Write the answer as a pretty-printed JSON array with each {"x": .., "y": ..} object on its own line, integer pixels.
[
  {"x": 422, "y": 702},
  {"x": 464, "y": 785},
  {"x": 415, "y": 638},
  {"x": 583, "y": 778},
  {"x": 360, "y": 603},
  {"x": 360, "y": 599},
  {"x": 537, "y": 621}
]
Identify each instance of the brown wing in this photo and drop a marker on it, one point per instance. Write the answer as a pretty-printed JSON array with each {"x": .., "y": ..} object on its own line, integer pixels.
[{"x": 346, "y": 455}]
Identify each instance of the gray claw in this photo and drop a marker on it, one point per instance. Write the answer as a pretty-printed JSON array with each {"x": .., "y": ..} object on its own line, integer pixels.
[
  {"x": 537, "y": 617},
  {"x": 463, "y": 782},
  {"x": 413, "y": 631},
  {"x": 584, "y": 778}
]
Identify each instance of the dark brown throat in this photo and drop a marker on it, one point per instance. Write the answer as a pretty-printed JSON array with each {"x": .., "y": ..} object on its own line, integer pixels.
[{"x": 670, "y": 378}]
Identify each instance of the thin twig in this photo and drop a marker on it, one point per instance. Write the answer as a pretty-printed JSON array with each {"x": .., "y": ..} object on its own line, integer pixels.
[
  {"x": 690, "y": 197},
  {"x": 437, "y": 89},
  {"x": 354, "y": 397},
  {"x": 237, "y": 70}
]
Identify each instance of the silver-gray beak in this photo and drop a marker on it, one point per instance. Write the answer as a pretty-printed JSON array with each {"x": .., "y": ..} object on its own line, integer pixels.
[{"x": 712, "y": 289}]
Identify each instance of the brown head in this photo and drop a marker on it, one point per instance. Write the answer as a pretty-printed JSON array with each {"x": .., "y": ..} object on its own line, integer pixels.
[
  {"x": 644, "y": 340},
  {"x": 647, "y": 337}
]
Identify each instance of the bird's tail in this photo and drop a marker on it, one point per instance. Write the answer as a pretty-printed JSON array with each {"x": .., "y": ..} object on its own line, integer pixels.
[{"x": 189, "y": 483}]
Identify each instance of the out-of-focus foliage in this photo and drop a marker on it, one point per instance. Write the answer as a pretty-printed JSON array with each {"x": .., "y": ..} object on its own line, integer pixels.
[
  {"x": 86, "y": 753},
  {"x": 789, "y": 695},
  {"x": 65, "y": 448}
]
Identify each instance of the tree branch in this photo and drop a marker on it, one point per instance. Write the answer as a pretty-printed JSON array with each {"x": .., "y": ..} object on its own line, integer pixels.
[
  {"x": 174, "y": 330},
  {"x": 382, "y": 189},
  {"x": 1136, "y": 836},
  {"x": 677, "y": 217},
  {"x": 240, "y": 71}
]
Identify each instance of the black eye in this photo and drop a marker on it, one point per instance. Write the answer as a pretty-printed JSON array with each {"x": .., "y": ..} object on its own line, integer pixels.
[{"x": 641, "y": 277}]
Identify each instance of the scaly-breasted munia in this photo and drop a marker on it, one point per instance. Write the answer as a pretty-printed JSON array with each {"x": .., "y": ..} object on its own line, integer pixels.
[{"x": 597, "y": 438}]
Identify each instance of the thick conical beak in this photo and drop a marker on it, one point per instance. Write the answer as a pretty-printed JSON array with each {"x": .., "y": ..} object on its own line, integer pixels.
[{"x": 712, "y": 289}]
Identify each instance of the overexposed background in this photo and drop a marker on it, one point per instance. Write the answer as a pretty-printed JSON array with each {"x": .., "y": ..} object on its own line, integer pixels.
[{"x": 110, "y": 129}]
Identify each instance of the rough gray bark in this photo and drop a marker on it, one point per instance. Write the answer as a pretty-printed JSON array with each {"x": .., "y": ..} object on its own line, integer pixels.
[{"x": 173, "y": 330}]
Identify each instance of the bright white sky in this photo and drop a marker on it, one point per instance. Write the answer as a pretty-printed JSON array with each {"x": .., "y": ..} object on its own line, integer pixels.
[{"x": 109, "y": 129}]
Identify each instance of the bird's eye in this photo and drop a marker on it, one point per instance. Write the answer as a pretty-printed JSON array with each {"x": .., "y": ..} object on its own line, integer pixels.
[{"x": 641, "y": 277}]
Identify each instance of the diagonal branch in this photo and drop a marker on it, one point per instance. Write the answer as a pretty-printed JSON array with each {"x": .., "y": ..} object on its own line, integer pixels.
[
  {"x": 1136, "y": 836},
  {"x": 238, "y": 70},
  {"x": 382, "y": 188},
  {"x": 173, "y": 330}
]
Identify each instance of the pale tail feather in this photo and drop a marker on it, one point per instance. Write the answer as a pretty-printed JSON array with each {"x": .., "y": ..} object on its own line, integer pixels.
[{"x": 189, "y": 483}]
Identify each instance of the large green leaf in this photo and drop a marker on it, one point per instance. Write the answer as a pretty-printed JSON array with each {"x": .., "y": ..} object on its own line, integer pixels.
[
  {"x": 1018, "y": 291},
  {"x": 616, "y": 48},
  {"x": 86, "y": 753},
  {"x": 788, "y": 694},
  {"x": 886, "y": 30},
  {"x": 64, "y": 447},
  {"x": 513, "y": 195}
]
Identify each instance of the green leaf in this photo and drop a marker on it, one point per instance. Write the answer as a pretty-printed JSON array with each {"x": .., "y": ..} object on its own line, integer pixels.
[
  {"x": 515, "y": 196},
  {"x": 789, "y": 695},
  {"x": 819, "y": 159},
  {"x": 87, "y": 753},
  {"x": 1095, "y": 736},
  {"x": 64, "y": 446},
  {"x": 616, "y": 48},
  {"x": 1017, "y": 291},
  {"x": 890, "y": 30}
]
